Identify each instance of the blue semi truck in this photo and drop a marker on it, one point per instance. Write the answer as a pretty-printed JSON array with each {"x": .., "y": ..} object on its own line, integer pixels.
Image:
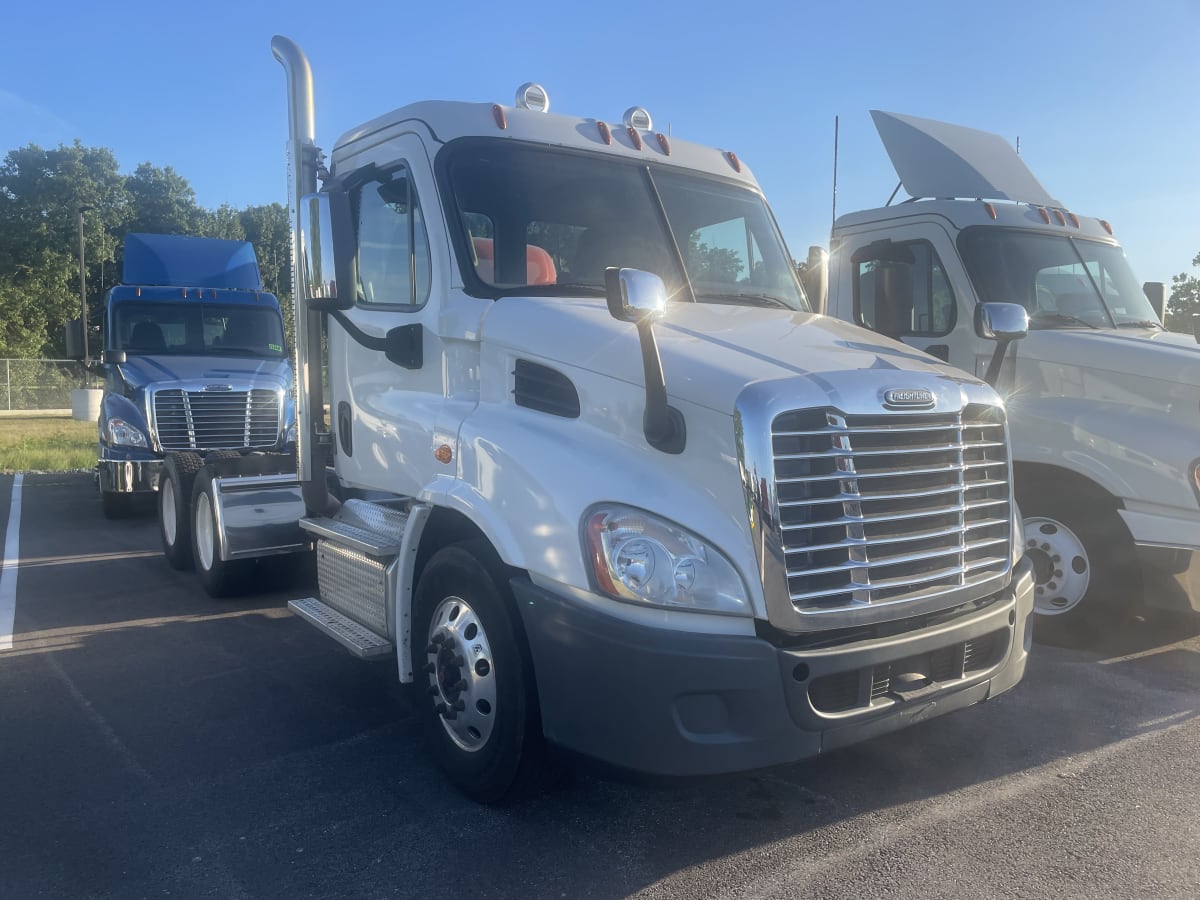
[{"x": 195, "y": 364}]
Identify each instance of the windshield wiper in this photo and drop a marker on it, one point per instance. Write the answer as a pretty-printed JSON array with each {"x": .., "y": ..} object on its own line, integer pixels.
[
  {"x": 1141, "y": 323},
  {"x": 748, "y": 299},
  {"x": 1061, "y": 318}
]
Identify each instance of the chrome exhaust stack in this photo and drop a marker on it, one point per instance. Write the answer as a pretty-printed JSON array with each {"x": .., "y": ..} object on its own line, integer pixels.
[{"x": 303, "y": 166}]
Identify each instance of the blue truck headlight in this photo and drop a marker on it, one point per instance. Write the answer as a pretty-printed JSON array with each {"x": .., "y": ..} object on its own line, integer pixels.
[
  {"x": 121, "y": 433},
  {"x": 637, "y": 557}
]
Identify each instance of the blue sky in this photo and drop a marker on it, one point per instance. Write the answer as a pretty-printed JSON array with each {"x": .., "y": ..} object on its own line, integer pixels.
[{"x": 1103, "y": 94}]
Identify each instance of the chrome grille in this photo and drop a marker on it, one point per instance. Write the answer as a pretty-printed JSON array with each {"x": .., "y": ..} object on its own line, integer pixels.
[
  {"x": 200, "y": 420},
  {"x": 890, "y": 508}
]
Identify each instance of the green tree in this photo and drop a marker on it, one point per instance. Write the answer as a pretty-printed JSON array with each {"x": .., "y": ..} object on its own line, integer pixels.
[
  {"x": 1184, "y": 300},
  {"x": 162, "y": 202},
  {"x": 41, "y": 192}
]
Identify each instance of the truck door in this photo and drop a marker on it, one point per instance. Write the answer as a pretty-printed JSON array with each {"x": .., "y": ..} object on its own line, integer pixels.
[
  {"x": 910, "y": 286},
  {"x": 391, "y": 416}
]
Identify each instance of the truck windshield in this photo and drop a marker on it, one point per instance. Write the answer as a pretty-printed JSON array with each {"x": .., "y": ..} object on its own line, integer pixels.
[
  {"x": 1064, "y": 281},
  {"x": 548, "y": 222},
  {"x": 197, "y": 328}
]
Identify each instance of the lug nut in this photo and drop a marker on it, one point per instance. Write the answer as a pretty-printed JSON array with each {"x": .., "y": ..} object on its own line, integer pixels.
[
  {"x": 439, "y": 638},
  {"x": 441, "y": 709},
  {"x": 458, "y": 706}
]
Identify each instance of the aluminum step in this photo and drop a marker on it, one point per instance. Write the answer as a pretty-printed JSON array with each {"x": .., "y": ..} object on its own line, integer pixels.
[
  {"x": 356, "y": 638},
  {"x": 346, "y": 534}
]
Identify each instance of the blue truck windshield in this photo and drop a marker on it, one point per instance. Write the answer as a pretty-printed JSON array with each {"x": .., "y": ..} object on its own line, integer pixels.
[{"x": 197, "y": 329}]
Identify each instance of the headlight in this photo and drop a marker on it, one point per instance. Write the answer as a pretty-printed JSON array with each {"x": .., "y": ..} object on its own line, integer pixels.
[
  {"x": 122, "y": 433},
  {"x": 640, "y": 558}
]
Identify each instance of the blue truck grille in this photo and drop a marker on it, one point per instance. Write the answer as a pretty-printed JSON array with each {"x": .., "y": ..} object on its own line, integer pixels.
[{"x": 224, "y": 420}]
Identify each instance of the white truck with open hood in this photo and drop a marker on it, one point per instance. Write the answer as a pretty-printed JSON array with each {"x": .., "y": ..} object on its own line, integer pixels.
[
  {"x": 595, "y": 476},
  {"x": 1104, "y": 404}
]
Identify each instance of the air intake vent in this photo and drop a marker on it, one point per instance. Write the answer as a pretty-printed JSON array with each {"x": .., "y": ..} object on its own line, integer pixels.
[{"x": 545, "y": 389}]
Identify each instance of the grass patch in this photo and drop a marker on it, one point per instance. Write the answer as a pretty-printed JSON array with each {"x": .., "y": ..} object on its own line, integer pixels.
[{"x": 55, "y": 444}]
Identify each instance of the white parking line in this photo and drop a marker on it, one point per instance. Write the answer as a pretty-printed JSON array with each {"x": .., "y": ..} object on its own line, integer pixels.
[{"x": 8, "y": 572}]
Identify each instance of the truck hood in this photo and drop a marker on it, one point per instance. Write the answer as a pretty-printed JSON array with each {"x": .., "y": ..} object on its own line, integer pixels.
[
  {"x": 1142, "y": 352},
  {"x": 709, "y": 352},
  {"x": 141, "y": 370}
]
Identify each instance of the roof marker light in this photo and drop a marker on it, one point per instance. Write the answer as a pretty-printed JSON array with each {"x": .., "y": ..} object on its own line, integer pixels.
[
  {"x": 664, "y": 143},
  {"x": 733, "y": 160},
  {"x": 605, "y": 134},
  {"x": 1062, "y": 220},
  {"x": 991, "y": 210},
  {"x": 183, "y": 293},
  {"x": 637, "y": 117},
  {"x": 635, "y": 137},
  {"x": 1104, "y": 224},
  {"x": 1074, "y": 219},
  {"x": 532, "y": 95},
  {"x": 139, "y": 293},
  {"x": 1045, "y": 215},
  {"x": 498, "y": 115}
]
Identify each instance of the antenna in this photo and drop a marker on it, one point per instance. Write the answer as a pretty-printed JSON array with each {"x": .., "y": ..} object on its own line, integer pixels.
[
  {"x": 1018, "y": 145},
  {"x": 835, "y": 162}
]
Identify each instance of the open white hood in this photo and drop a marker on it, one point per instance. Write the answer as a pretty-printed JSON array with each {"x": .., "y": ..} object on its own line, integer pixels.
[{"x": 940, "y": 160}]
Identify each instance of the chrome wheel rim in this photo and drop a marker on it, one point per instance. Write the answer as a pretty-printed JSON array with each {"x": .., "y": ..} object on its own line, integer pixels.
[
  {"x": 462, "y": 675},
  {"x": 167, "y": 513},
  {"x": 203, "y": 530},
  {"x": 1061, "y": 568}
]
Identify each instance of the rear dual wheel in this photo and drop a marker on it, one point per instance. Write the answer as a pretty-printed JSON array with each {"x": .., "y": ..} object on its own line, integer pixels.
[{"x": 220, "y": 577}]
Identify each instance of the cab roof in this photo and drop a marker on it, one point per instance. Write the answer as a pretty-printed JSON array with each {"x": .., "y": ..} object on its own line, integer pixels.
[{"x": 446, "y": 120}]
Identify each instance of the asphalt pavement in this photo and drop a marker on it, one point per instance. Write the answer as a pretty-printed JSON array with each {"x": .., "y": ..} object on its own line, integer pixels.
[{"x": 157, "y": 743}]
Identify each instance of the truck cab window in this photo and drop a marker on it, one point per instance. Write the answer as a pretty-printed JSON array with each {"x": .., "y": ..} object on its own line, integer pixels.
[
  {"x": 901, "y": 290},
  {"x": 393, "y": 247}
]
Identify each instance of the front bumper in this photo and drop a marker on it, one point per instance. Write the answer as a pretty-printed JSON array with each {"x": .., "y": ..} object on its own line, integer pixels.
[
  {"x": 128, "y": 476},
  {"x": 681, "y": 703},
  {"x": 1171, "y": 577},
  {"x": 1168, "y": 552}
]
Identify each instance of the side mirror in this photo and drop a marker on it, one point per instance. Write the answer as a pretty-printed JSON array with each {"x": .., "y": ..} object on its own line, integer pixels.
[
  {"x": 634, "y": 295},
  {"x": 113, "y": 357},
  {"x": 326, "y": 251},
  {"x": 73, "y": 336},
  {"x": 816, "y": 278},
  {"x": 641, "y": 297},
  {"x": 1156, "y": 293},
  {"x": 1002, "y": 323}
]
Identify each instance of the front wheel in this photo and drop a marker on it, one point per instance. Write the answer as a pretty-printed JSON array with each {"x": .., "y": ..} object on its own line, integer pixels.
[
  {"x": 221, "y": 578},
  {"x": 481, "y": 706},
  {"x": 1084, "y": 572}
]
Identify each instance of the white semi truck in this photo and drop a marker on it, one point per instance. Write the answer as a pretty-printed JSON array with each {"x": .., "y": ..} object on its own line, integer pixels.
[
  {"x": 1104, "y": 403},
  {"x": 593, "y": 473}
]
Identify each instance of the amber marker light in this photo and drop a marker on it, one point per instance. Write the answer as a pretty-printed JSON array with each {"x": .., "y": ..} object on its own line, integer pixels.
[
  {"x": 443, "y": 454},
  {"x": 1104, "y": 224},
  {"x": 1045, "y": 215},
  {"x": 635, "y": 137},
  {"x": 991, "y": 210},
  {"x": 664, "y": 143},
  {"x": 595, "y": 531},
  {"x": 1074, "y": 219},
  {"x": 605, "y": 133},
  {"x": 733, "y": 160},
  {"x": 498, "y": 115}
]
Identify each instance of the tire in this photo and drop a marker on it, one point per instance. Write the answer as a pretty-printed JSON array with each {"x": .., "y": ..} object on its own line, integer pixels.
[
  {"x": 1085, "y": 575},
  {"x": 174, "y": 502},
  {"x": 221, "y": 578},
  {"x": 116, "y": 506},
  {"x": 482, "y": 722}
]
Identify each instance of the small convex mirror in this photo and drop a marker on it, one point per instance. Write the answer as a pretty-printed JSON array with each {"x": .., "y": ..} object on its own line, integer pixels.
[
  {"x": 634, "y": 295},
  {"x": 1001, "y": 321}
]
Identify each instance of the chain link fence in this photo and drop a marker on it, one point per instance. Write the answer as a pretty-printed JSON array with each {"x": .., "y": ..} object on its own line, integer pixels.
[{"x": 34, "y": 384}]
